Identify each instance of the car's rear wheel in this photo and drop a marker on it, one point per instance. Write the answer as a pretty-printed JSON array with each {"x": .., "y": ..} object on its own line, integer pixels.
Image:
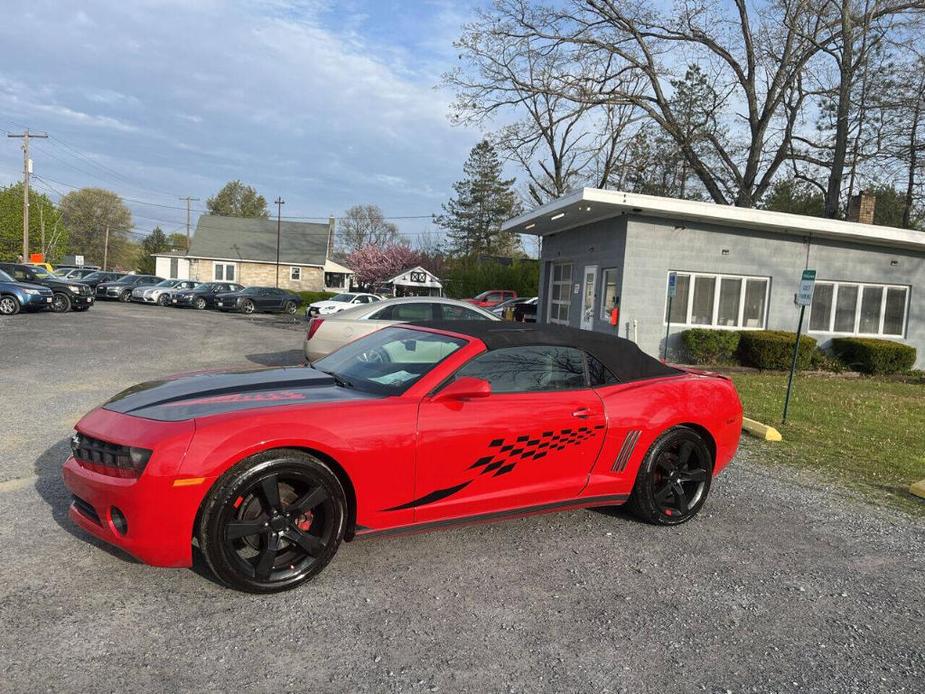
[
  {"x": 61, "y": 303},
  {"x": 247, "y": 306},
  {"x": 273, "y": 521},
  {"x": 290, "y": 308},
  {"x": 9, "y": 306},
  {"x": 199, "y": 303},
  {"x": 674, "y": 479}
]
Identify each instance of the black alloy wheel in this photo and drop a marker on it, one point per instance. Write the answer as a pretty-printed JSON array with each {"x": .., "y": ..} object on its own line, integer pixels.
[
  {"x": 199, "y": 303},
  {"x": 162, "y": 299},
  {"x": 273, "y": 521},
  {"x": 61, "y": 303},
  {"x": 125, "y": 296},
  {"x": 674, "y": 479},
  {"x": 247, "y": 306},
  {"x": 9, "y": 306},
  {"x": 290, "y": 308}
]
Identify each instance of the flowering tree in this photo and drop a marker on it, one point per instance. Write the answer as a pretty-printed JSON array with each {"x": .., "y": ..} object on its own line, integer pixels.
[{"x": 377, "y": 263}]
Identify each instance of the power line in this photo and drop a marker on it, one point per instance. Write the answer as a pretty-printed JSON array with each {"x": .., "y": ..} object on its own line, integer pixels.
[{"x": 26, "y": 170}]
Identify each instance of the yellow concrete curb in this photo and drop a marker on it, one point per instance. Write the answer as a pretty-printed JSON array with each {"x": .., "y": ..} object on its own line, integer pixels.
[
  {"x": 762, "y": 431},
  {"x": 918, "y": 488}
]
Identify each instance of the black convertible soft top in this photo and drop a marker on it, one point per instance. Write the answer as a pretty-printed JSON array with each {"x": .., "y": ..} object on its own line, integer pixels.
[{"x": 624, "y": 358}]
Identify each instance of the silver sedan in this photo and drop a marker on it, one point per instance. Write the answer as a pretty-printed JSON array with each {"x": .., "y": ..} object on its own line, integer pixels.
[{"x": 326, "y": 334}]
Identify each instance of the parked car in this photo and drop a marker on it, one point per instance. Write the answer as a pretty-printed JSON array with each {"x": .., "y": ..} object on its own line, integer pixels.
[
  {"x": 95, "y": 278},
  {"x": 328, "y": 333},
  {"x": 16, "y": 296},
  {"x": 340, "y": 302},
  {"x": 160, "y": 293},
  {"x": 203, "y": 296},
  {"x": 500, "y": 309},
  {"x": 526, "y": 312},
  {"x": 65, "y": 267},
  {"x": 258, "y": 299},
  {"x": 492, "y": 297},
  {"x": 267, "y": 471},
  {"x": 66, "y": 294},
  {"x": 121, "y": 289},
  {"x": 76, "y": 273}
]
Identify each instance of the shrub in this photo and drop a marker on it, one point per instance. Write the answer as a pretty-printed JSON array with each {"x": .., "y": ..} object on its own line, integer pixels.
[
  {"x": 823, "y": 361},
  {"x": 312, "y": 297},
  {"x": 710, "y": 346},
  {"x": 773, "y": 349},
  {"x": 872, "y": 356}
]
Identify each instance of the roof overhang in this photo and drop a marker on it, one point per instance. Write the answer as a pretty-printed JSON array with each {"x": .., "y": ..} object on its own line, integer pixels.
[
  {"x": 331, "y": 266},
  {"x": 589, "y": 205}
]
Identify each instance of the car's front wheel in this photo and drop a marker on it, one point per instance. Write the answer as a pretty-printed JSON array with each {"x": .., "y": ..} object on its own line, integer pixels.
[
  {"x": 125, "y": 296},
  {"x": 199, "y": 303},
  {"x": 9, "y": 306},
  {"x": 162, "y": 300},
  {"x": 247, "y": 306},
  {"x": 61, "y": 303},
  {"x": 674, "y": 479},
  {"x": 273, "y": 521},
  {"x": 290, "y": 308}
]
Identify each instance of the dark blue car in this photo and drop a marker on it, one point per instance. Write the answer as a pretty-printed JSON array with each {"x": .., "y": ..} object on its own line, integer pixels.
[{"x": 20, "y": 295}]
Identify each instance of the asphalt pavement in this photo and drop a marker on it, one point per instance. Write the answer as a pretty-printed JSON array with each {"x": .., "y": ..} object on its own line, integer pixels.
[{"x": 781, "y": 584}]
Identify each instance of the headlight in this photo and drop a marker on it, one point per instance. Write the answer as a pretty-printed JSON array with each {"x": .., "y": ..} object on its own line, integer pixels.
[
  {"x": 33, "y": 292},
  {"x": 74, "y": 289}
]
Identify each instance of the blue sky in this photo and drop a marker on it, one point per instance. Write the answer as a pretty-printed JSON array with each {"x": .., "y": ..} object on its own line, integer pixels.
[{"x": 328, "y": 103}]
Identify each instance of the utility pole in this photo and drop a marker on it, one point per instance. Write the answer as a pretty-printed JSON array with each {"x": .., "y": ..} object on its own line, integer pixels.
[
  {"x": 26, "y": 171},
  {"x": 188, "y": 201},
  {"x": 279, "y": 202},
  {"x": 106, "y": 249}
]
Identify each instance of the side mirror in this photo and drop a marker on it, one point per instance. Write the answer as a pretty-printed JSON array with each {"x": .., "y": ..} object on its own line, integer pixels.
[{"x": 465, "y": 388}]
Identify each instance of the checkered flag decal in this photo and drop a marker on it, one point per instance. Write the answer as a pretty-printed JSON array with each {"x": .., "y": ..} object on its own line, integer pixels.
[{"x": 507, "y": 453}]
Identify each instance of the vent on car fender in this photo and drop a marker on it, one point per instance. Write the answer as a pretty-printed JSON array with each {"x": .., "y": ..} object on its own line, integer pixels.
[{"x": 626, "y": 450}]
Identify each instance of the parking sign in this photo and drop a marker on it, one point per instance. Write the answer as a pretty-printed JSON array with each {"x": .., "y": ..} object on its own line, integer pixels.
[
  {"x": 672, "y": 284},
  {"x": 807, "y": 283}
]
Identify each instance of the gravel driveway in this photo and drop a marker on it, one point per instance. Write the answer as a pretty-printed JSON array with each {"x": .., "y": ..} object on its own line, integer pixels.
[{"x": 779, "y": 585}]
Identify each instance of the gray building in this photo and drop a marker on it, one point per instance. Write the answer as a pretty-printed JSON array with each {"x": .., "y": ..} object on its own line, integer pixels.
[{"x": 737, "y": 269}]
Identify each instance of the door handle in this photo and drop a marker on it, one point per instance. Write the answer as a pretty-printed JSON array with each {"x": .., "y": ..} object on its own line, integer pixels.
[{"x": 582, "y": 412}]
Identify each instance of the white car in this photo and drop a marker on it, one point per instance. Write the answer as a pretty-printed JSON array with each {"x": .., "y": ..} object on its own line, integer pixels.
[
  {"x": 160, "y": 292},
  {"x": 340, "y": 302},
  {"x": 326, "y": 334}
]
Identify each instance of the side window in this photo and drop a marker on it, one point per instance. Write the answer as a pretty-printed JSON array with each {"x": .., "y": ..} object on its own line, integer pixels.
[
  {"x": 599, "y": 374},
  {"x": 494, "y": 297},
  {"x": 452, "y": 312},
  {"x": 412, "y": 312},
  {"x": 529, "y": 369}
]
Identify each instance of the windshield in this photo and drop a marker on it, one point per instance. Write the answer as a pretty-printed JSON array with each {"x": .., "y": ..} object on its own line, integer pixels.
[
  {"x": 166, "y": 283},
  {"x": 5, "y": 277},
  {"x": 389, "y": 361},
  {"x": 42, "y": 272},
  {"x": 342, "y": 298},
  {"x": 93, "y": 276}
]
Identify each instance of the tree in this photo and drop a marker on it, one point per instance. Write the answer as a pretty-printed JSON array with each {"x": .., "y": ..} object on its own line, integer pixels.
[
  {"x": 374, "y": 264},
  {"x": 363, "y": 225},
  {"x": 795, "y": 196},
  {"x": 237, "y": 200},
  {"x": 891, "y": 209},
  {"x": 482, "y": 203},
  {"x": 42, "y": 212},
  {"x": 177, "y": 241},
  {"x": 87, "y": 214},
  {"x": 155, "y": 242}
]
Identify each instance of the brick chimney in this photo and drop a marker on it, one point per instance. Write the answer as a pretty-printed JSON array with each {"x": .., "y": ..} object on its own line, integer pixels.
[{"x": 861, "y": 207}]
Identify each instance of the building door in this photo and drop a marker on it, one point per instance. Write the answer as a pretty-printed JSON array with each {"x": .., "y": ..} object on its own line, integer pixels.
[{"x": 587, "y": 297}]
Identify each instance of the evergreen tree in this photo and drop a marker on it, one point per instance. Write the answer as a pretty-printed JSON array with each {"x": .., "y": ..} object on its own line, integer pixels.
[
  {"x": 155, "y": 242},
  {"x": 483, "y": 201}
]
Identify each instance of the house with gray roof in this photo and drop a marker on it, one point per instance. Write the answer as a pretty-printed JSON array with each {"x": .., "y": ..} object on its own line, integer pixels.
[{"x": 244, "y": 250}]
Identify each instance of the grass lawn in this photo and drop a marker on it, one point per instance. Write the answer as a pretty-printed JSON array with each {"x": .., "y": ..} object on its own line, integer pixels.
[{"x": 866, "y": 432}]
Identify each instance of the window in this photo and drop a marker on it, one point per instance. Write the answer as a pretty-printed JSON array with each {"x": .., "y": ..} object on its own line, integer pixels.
[
  {"x": 223, "y": 271},
  {"x": 295, "y": 274},
  {"x": 174, "y": 268},
  {"x": 453, "y": 312},
  {"x": 609, "y": 299},
  {"x": 560, "y": 294},
  {"x": 529, "y": 369},
  {"x": 405, "y": 312},
  {"x": 598, "y": 374},
  {"x": 723, "y": 301},
  {"x": 859, "y": 309}
]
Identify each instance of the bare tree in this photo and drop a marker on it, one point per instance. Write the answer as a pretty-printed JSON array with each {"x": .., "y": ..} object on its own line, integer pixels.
[{"x": 364, "y": 225}]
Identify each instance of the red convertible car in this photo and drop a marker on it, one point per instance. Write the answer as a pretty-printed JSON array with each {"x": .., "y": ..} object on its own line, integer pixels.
[{"x": 411, "y": 427}]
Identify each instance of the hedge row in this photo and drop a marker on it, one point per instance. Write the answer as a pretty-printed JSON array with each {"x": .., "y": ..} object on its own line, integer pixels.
[
  {"x": 773, "y": 349},
  {"x": 312, "y": 297}
]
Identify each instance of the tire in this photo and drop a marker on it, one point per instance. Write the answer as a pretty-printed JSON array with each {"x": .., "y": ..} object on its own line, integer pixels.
[
  {"x": 282, "y": 551},
  {"x": 290, "y": 307},
  {"x": 199, "y": 303},
  {"x": 61, "y": 303},
  {"x": 126, "y": 296},
  {"x": 162, "y": 300},
  {"x": 9, "y": 305},
  {"x": 674, "y": 479},
  {"x": 247, "y": 306}
]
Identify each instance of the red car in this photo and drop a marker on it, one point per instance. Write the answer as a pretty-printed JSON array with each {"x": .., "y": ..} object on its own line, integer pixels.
[
  {"x": 411, "y": 427},
  {"x": 492, "y": 297}
]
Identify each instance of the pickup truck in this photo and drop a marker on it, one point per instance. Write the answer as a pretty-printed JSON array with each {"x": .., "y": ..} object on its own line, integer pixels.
[{"x": 492, "y": 297}]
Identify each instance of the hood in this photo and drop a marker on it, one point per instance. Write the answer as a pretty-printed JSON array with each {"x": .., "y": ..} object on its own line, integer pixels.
[
  {"x": 216, "y": 392},
  {"x": 42, "y": 289}
]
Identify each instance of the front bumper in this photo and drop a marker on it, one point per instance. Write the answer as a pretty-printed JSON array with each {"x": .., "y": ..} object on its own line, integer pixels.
[
  {"x": 81, "y": 300},
  {"x": 36, "y": 301},
  {"x": 109, "y": 292},
  {"x": 227, "y": 305},
  {"x": 181, "y": 300}
]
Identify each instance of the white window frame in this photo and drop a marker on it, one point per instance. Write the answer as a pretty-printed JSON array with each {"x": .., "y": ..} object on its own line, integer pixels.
[
  {"x": 295, "y": 273},
  {"x": 224, "y": 278},
  {"x": 605, "y": 310},
  {"x": 568, "y": 293},
  {"x": 857, "y": 309},
  {"x": 717, "y": 279}
]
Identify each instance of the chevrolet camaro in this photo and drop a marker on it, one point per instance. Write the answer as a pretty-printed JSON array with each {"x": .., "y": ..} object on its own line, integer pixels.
[{"x": 412, "y": 427}]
